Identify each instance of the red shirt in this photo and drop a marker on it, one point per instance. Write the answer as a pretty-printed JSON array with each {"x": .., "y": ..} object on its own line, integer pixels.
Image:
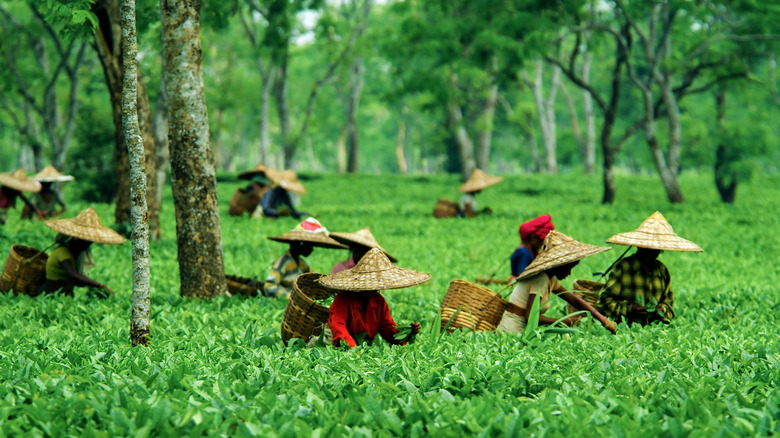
[{"x": 348, "y": 318}]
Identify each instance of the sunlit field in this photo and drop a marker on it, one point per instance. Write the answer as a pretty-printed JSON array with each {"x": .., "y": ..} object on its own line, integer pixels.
[{"x": 220, "y": 368}]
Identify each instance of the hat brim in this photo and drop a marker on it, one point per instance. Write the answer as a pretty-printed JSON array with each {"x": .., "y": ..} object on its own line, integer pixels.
[
  {"x": 90, "y": 233},
  {"x": 62, "y": 178},
  {"x": 357, "y": 281},
  {"x": 654, "y": 241},
  {"x": 316, "y": 239},
  {"x": 562, "y": 254},
  {"x": 474, "y": 186},
  {"x": 349, "y": 238},
  {"x": 6, "y": 179}
]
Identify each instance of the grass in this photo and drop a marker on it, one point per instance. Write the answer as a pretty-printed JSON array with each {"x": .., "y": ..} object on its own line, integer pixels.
[{"x": 219, "y": 367}]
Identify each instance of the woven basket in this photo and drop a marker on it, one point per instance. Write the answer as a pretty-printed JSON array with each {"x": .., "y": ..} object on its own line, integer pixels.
[
  {"x": 481, "y": 309},
  {"x": 588, "y": 290},
  {"x": 248, "y": 287},
  {"x": 245, "y": 201},
  {"x": 445, "y": 208},
  {"x": 302, "y": 314},
  {"x": 24, "y": 271}
]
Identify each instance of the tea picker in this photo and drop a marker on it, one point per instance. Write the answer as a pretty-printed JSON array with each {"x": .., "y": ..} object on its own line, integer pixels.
[
  {"x": 639, "y": 287},
  {"x": 11, "y": 187}
]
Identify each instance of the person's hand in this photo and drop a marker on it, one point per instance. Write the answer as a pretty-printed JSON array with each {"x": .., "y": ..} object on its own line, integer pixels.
[
  {"x": 415, "y": 327},
  {"x": 106, "y": 288},
  {"x": 638, "y": 310}
]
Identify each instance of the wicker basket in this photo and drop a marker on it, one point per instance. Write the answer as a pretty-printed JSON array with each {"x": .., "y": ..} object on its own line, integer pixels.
[
  {"x": 302, "y": 314},
  {"x": 445, "y": 208},
  {"x": 245, "y": 201},
  {"x": 588, "y": 290},
  {"x": 248, "y": 287},
  {"x": 24, "y": 271},
  {"x": 481, "y": 309}
]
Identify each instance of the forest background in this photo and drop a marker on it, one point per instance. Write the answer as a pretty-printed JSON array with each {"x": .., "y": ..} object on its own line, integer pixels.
[{"x": 413, "y": 87}]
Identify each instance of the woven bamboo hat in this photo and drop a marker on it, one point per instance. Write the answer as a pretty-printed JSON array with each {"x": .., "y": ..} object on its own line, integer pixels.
[
  {"x": 559, "y": 249},
  {"x": 374, "y": 272},
  {"x": 260, "y": 169},
  {"x": 479, "y": 180},
  {"x": 655, "y": 233},
  {"x": 50, "y": 174},
  {"x": 287, "y": 179},
  {"x": 363, "y": 237},
  {"x": 86, "y": 226},
  {"x": 311, "y": 231},
  {"x": 19, "y": 181}
]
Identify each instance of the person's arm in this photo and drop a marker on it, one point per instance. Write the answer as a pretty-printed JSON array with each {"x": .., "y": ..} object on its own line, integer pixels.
[
  {"x": 58, "y": 200},
  {"x": 387, "y": 325},
  {"x": 268, "y": 203},
  {"x": 339, "y": 313},
  {"x": 665, "y": 307},
  {"x": 32, "y": 206},
  {"x": 543, "y": 320},
  {"x": 613, "y": 302},
  {"x": 581, "y": 304},
  {"x": 80, "y": 279},
  {"x": 272, "y": 287}
]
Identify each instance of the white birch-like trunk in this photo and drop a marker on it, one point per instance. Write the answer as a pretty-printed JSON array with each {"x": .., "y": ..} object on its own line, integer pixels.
[
  {"x": 139, "y": 318},
  {"x": 465, "y": 145},
  {"x": 485, "y": 133},
  {"x": 589, "y": 160}
]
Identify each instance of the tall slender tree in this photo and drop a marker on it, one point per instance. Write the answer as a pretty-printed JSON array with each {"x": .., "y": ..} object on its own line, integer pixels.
[
  {"x": 194, "y": 179},
  {"x": 139, "y": 318}
]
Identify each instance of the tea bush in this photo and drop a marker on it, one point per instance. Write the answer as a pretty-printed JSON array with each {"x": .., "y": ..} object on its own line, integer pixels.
[{"x": 219, "y": 367}]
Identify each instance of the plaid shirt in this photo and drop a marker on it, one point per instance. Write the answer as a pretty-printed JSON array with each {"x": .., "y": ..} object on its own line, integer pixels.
[
  {"x": 631, "y": 282},
  {"x": 285, "y": 270}
]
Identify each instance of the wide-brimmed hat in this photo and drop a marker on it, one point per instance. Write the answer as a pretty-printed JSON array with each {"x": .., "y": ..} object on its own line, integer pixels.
[
  {"x": 559, "y": 249},
  {"x": 362, "y": 237},
  {"x": 374, "y": 272},
  {"x": 311, "y": 231},
  {"x": 86, "y": 226},
  {"x": 260, "y": 169},
  {"x": 479, "y": 180},
  {"x": 19, "y": 181},
  {"x": 50, "y": 174},
  {"x": 655, "y": 233},
  {"x": 286, "y": 179}
]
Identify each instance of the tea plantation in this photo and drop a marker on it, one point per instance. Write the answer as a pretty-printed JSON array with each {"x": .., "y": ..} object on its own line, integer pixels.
[{"x": 219, "y": 368}]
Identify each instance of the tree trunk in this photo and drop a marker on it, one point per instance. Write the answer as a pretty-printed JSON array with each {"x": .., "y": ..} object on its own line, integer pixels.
[
  {"x": 283, "y": 110},
  {"x": 160, "y": 127},
  {"x": 726, "y": 180},
  {"x": 265, "y": 122},
  {"x": 400, "y": 139},
  {"x": 485, "y": 132},
  {"x": 108, "y": 47},
  {"x": 458, "y": 130},
  {"x": 198, "y": 233},
  {"x": 355, "y": 89},
  {"x": 589, "y": 159},
  {"x": 139, "y": 318},
  {"x": 546, "y": 111},
  {"x": 341, "y": 152}
]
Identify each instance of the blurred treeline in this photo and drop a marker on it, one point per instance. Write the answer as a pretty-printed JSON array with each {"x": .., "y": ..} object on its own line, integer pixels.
[{"x": 409, "y": 86}]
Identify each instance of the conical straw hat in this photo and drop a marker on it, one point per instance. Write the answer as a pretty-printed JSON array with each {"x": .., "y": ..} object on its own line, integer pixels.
[
  {"x": 310, "y": 231},
  {"x": 50, "y": 174},
  {"x": 374, "y": 272},
  {"x": 19, "y": 181},
  {"x": 259, "y": 169},
  {"x": 86, "y": 226},
  {"x": 655, "y": 233},
  {"x": 363, "y": 237},
  {"x": 479, "y": 180},
  {"x": 559, "y": 249},
  {"x": 287, "y": 179}
]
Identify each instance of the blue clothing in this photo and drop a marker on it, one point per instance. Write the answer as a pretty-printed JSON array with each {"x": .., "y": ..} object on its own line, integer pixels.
[
  {"x": 274, "y": 199},
  {"x": 521, "y": 258}
]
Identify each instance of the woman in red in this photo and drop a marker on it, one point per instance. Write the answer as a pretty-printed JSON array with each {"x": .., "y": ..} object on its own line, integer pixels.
[{"x": 359, "y": 307}]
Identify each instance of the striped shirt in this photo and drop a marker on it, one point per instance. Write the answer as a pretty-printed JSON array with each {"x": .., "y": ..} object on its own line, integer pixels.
[
  {"x": 630, "y": 282},
  {"x": 284, "y": 271}
]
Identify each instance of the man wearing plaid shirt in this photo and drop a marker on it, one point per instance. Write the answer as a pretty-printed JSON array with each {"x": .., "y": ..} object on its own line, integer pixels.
[{"x": 639, "y": 289}]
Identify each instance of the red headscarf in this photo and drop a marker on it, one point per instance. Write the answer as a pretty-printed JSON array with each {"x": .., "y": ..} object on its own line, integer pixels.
[{"x": 539, "y": 227}]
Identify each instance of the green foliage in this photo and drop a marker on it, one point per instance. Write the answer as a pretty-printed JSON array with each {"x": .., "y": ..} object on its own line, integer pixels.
[{"x": 219, "y": 368}]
